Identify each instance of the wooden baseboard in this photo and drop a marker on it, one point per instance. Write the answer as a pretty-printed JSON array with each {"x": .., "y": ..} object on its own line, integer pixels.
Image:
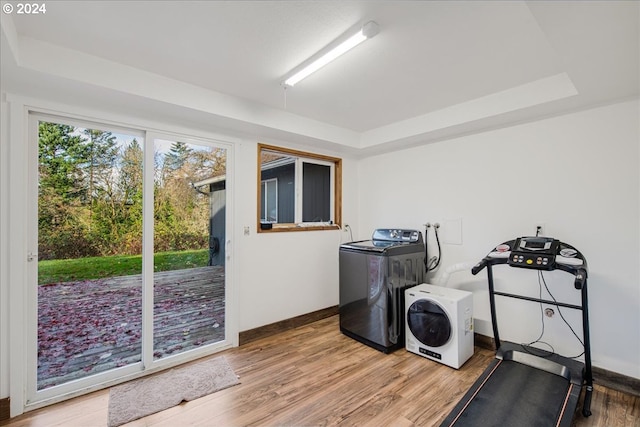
[
  {"x": 5, "y": 412},
  {"x": 484, "y": 341},
  {"x": 616, "y": 381},
  {"x": 609, "y": 379},
  {"x": 285, "y": 325}
]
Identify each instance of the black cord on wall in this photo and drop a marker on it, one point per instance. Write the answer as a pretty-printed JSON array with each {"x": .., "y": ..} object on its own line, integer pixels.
[
  {"x": 432, "y": 264},
  {"x": 541, "y": 282}
]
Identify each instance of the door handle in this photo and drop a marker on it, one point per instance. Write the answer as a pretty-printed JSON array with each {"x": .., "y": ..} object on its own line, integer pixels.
[{"x": 31, "y": 256}]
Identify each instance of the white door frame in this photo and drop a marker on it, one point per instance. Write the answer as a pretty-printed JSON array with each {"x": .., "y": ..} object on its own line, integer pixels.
[{"x": 22, "y": 331}]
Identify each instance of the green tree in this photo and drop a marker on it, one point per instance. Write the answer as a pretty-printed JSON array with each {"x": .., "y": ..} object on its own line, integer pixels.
[
  {"x": 61, "y": 231},
  {"x": 60, "y": 154},
  {"x": 101, "y": 155},
  {"x": 182, "y": 211},
  {"x": 130, "y": 190},
  {"x": 177, "y": 156},
  {"x": 116, "y": 205}
]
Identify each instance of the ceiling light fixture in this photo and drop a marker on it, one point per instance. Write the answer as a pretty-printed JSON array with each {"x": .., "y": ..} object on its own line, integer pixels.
[{"x": 341, "y": 45}]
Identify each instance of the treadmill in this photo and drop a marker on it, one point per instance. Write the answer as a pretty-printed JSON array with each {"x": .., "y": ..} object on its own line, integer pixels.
[{"x": 520, "y": 388}]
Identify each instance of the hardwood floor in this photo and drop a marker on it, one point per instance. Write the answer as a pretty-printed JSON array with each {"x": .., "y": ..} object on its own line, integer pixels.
[{"x": 314, "y": 375}]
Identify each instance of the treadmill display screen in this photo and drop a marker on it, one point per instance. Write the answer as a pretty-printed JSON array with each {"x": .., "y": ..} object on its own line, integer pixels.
[{"x": 534, "y": 245}]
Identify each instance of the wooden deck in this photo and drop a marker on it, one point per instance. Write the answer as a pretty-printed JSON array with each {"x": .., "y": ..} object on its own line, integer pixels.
[{"x": 92, "y": 326}]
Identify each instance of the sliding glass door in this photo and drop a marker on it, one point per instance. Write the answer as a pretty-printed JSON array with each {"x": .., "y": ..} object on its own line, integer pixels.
[
  {"x": 129, "y": 272},
  {"x": 189, "y": 235}
]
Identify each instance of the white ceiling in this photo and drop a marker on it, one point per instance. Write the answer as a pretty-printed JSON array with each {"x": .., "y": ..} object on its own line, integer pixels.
[{"x": 436, "y": 68}]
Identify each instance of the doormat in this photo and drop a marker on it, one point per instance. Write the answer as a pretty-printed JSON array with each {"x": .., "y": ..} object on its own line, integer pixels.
[{"x": 145, "y": 396}]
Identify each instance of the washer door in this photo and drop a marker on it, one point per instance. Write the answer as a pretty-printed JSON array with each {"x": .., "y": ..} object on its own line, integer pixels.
[{"x": 429, "y": 323}]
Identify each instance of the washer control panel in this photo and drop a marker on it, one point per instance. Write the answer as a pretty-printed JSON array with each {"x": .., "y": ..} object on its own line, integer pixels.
[{"x": 397, "y": 235}]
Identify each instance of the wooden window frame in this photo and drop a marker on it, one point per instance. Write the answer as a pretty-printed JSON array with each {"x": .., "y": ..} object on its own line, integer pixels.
[{"x": 337, "y": 192}]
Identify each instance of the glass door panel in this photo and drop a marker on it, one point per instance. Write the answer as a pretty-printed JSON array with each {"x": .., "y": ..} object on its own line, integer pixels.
[
  {"x": 89, "y": 309},
  {"x": 125, "y": 274},
  {"x": 189, "y": 236}
]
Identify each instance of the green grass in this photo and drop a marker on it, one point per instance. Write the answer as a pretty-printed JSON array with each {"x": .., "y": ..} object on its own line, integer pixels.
[{"x": 66, "y": 270}]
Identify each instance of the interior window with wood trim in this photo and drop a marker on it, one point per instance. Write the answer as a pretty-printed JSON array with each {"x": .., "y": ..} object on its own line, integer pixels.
[{"x": 298, "y": 190}]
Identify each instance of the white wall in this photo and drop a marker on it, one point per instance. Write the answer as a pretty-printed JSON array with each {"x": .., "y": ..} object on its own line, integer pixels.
[
  {"x": 577, "y": 173},
  {"x": 283, "y": 275}
]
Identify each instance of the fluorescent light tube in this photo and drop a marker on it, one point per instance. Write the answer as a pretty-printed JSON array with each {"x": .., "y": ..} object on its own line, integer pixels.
[{"x": 367, "y": 31}]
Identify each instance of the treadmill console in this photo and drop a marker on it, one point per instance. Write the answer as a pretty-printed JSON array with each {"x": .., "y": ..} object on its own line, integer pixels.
[
  {"x": 538, "y": 253},
  {"x": 534, "y": 252}
]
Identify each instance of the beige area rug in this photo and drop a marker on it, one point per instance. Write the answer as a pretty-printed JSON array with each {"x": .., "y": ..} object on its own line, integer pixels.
[{"x": 145, "y": 396}]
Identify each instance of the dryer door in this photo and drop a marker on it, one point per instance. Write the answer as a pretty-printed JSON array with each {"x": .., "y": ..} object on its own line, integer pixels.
[{"x": 429, "y": 323}]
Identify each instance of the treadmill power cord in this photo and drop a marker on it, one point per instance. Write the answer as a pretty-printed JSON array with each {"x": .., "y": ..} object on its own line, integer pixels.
[
  {"x": 563, "y": 319},
  {"x": 538, "y": 340},
  {"x": 542, "y": 281}
]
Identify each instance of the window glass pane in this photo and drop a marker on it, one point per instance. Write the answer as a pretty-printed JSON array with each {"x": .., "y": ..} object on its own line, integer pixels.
[
  {"x": 189, "y": 261},
  {"x": 272, "y": 200},
  {"x": 269, "y": 197},
  {"x": 316, "y": 193},
  {"x": 263, "y": 206},
  {"x": 89, "y": 252},
  {"x": 281, "y": 196}
]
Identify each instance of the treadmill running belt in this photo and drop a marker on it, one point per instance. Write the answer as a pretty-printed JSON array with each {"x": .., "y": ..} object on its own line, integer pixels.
[{"x": 516, "y": 395}]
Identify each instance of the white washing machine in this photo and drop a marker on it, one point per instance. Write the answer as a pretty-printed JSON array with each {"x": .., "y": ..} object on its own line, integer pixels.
[{"x": 439, "y": 323}]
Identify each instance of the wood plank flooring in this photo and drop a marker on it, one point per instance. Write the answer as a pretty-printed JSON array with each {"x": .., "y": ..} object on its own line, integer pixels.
[{"x": 315, "y": 376}]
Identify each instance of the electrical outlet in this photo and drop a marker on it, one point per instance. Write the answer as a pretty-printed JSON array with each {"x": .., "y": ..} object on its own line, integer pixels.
[{"x": 539, "y": 229}]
